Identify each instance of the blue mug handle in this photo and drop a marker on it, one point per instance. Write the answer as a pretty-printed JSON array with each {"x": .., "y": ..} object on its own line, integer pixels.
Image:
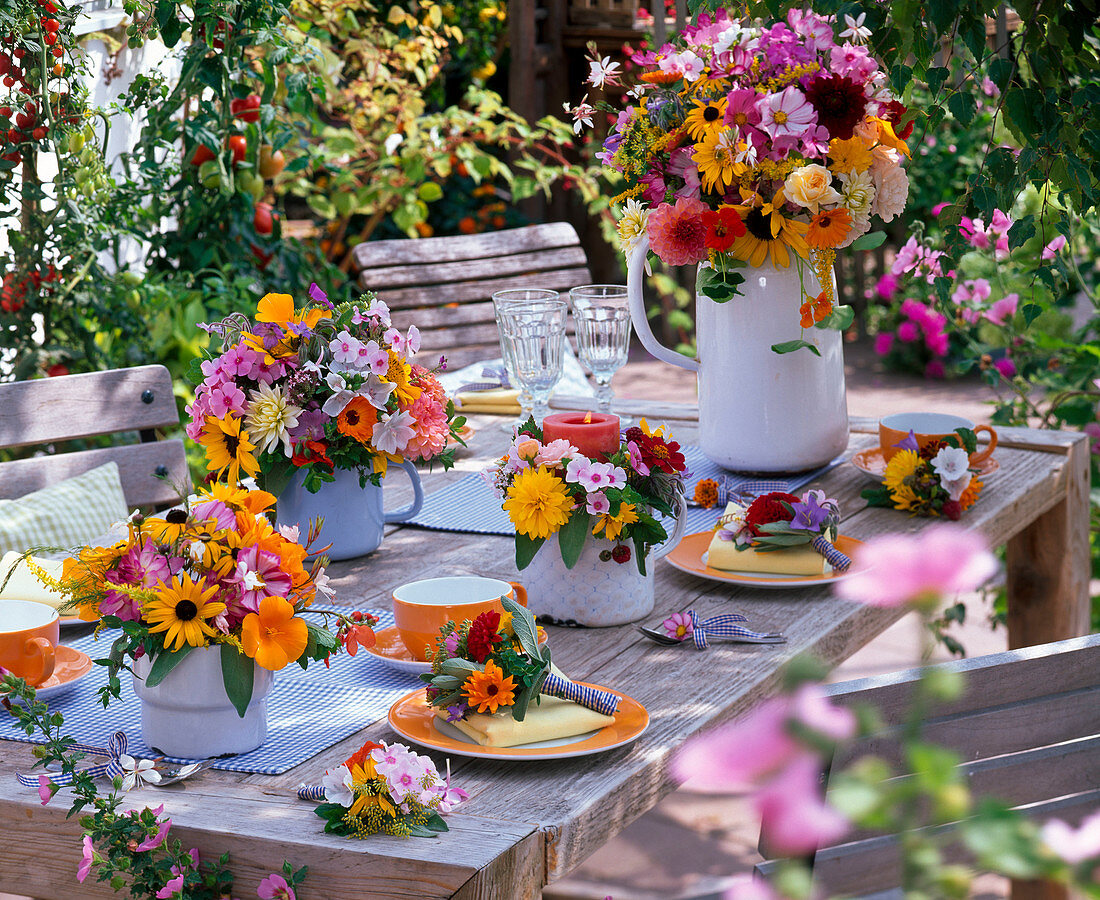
[{"x": 407, "y": 512}]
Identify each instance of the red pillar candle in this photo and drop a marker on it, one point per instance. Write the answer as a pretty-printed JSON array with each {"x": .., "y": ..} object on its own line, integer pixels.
[{"x": 594, "y": 434}]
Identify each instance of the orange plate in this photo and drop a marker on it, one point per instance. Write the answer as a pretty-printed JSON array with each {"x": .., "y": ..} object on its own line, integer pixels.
[
  {"x": 872, "y": 462},
  {"x": 69, "y": 667},
  {"x": 392, "y": 651},
  {"x": 688, "y": 557},
  {"x": 412, "y": 718}
]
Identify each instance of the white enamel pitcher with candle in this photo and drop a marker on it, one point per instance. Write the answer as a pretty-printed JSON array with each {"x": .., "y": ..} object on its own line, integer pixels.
[{"x": 759, "y": 411}]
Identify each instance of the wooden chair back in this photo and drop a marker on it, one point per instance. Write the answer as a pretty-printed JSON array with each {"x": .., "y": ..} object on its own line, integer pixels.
[
  {"x": 1027, "y": 729},
  {"x": 130, "y": 404},
  {"x": 444, "y": 285}
]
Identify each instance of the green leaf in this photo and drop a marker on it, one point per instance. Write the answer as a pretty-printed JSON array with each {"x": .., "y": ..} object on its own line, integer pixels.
[
  {"x": 164, "y": 663},
  {"x": 869, "y": 241},
  {"x": 429, "y": 192},
  {"x": 526, "y": 548},
  {"x": 523, "y": 626},
  {"x": 935, "y": 77},
  {"x": 238, "y": 672},
  {"x": 791, "y": 346},
  {"x": 1031, "y": 312},
  {"x": 571, "y": 537}
]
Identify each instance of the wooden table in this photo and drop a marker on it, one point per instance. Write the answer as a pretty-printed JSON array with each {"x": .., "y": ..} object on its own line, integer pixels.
[{"x": 527, "y": 824}]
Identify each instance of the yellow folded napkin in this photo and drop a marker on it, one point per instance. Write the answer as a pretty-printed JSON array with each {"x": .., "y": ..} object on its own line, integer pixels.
[
  {"x": 501, "y": 401},
  {"x": 24, "y": 584},
  {"x": 549, "y": 720},
  {"x": 726, "y": 556}
]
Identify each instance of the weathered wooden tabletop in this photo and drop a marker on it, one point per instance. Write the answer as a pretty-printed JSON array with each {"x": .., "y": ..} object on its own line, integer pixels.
[{"x": 528, "y": 823}]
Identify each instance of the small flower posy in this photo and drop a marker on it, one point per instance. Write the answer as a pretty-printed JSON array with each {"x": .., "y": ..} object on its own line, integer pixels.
[
  {"x": 935, "y": 480},
  {"x": 778, "y": 520},
  {"x": 551, "y": 488},
  {"x": 385, "y": 788}
]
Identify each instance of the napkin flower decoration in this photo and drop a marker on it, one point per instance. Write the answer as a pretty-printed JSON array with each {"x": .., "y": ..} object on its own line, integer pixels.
[
  {"x": 936, "y": 480},
  {"x": 499, "y": 662},
  {"x": 384, "y": 788},
  {"x": 778, "y": 520}
]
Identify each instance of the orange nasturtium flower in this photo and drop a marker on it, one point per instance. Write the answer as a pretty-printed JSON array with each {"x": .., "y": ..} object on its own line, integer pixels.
[
  {"x": 815, "y": 309},
  {"x": 274, "y": 636},
  {"x": 279, "y": 309}
]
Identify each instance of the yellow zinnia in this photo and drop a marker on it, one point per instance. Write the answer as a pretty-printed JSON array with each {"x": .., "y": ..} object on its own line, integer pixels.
[
  {"x": 538, "y": 503},
  {"x": 228, "y": 448},
  {"x": 613, "y": 525},
  {"x": 902, "y": 466},
  {"x": 849, "y": 156},
  {"x": 181, "y": 609},
  {"x": 769, "y": 233}
]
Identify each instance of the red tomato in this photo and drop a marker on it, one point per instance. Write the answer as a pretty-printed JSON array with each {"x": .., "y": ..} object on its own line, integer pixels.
[
  {"x": 247, "y": 109},
  {"x": 39, "y": 133},
  {"x": 262, "y": 219},
  {"x": 57, "y": 369},
  {"x": 239, "y": 146},
  {"x": 202, "y": 154},
  {"x": 12, "y": 296}
]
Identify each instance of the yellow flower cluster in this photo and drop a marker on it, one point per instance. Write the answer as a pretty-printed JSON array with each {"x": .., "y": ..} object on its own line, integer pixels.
[{"x": 789, "y": 76}]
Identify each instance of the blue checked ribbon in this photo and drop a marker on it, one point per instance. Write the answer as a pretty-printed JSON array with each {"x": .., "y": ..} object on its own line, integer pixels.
[
  {"x": 721, "y": 627},
  {"x": 314, "y": 792},
  {"x": 111, "y": 768},
  {"x": 836, "y": 559},
  {"x": 601, "y": 701},
  {"x": 498, "y": 378},
  {"x": 744, "y": 492}
]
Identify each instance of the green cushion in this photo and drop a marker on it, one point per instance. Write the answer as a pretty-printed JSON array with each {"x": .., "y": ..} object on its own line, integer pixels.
[{"x": 64, "y": 515}]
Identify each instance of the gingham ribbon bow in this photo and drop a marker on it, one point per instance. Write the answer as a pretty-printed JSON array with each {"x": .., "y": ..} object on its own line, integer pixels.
[
  {"x": 112, "y": 768},
  {"x": 601, "y": 701},
  {"x": 836, "y": 559},
  {"x": 718, "y": 627},
  {"x": 497, "y": 378}
]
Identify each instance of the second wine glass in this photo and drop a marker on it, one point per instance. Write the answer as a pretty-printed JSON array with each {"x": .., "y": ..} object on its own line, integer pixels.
[{"x": 602, "y": 316}]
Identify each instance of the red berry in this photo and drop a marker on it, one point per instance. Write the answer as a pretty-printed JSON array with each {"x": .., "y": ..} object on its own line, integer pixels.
[
  {"x": 50, "y": 8},
  {"x": 51, "y": 25},
  {"x": 57, "y": 369},
  {"x": 952, "y": 510},
  {"x": 30, "y": 107},
  {"x": 8, "y": 81},
  {"x": 5, "y": 64},
  {"x": 14, "y": 135},
  {"x": 357, "y": 616},
  {"x": 621, "y": 554}
]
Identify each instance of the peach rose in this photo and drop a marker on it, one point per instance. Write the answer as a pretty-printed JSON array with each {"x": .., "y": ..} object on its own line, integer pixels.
[{"x": 810, "y": 187}]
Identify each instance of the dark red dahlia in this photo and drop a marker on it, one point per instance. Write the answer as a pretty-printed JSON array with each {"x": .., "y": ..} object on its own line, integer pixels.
[
  {"x": 840, "y": 104},
  {"x": 657, "y": 453},
  {"x": 483, "y": 634},
  {"x": 768, "y": 508},
  {"x": 893, "y": 112}
]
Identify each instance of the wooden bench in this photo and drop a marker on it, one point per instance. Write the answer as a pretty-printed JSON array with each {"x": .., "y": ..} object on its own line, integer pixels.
[
  {"x": 1027, "y": 729},
  {"x": 128, "y": 404},
  {"x": 444, "y": 285}
]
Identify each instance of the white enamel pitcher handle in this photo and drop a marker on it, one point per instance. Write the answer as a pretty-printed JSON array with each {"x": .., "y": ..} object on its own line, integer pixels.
[
  {"x": 677, "y": 532},
  {"x": 634, "y": 285},
  {"x": 407, "y": 512}
]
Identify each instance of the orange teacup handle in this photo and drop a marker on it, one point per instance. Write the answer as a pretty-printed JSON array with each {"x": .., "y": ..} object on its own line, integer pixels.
[
  {"x": 981, "y": 456},
  {"x": 38, "y": 649},
  {"x": 520, "y": 591}
]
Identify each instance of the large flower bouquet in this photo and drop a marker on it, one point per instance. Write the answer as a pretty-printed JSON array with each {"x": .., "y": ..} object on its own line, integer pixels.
[
  {"x": 745, "y": 142},
  {"x": 551, "y": 488},
  {"x": 318, "y": 388},
  {"x": 935, "y": 480},
  {"x": 213, "y": 573}
]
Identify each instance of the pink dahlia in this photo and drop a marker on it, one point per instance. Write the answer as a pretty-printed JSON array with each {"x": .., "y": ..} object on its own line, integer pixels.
[
  {"x": 676, "y": 232},
  {"x": 431, "y": 428}
]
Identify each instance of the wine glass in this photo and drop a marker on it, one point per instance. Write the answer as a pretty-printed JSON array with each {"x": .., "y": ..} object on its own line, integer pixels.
[
  {"x": 502, "y": 299},
  {"x": 602, "y": 319},
  {"x": 532, "y": 335}
]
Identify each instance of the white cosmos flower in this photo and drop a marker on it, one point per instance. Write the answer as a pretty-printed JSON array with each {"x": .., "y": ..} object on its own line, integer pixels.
[
  {"x": 952, "y": 464},
  {"x": 137, "y": 771},
  {"x": 602, "y": 71},
  {"x": 270, "y": 416}
]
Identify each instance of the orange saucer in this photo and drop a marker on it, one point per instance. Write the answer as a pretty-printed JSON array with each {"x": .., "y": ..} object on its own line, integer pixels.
[
  {"x": 872, "y": 463},
  {"x": 69, "y": 667},
  {"x": 389, "y": 648}
]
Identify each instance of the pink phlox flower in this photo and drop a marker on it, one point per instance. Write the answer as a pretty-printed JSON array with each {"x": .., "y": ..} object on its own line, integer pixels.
[
  {"x": 393, "y": 433},
  {"x": 786, "y": 112},
  {"x": 1052, "y": 249},
  {"x": 793, "y": 813},
  {"x": 450, "y": 797},
  {"x": 275, "y": 887},
  {"x": 884, "y": 343},
  {"x": 1073, "y": 846},
  {"x": 226, "y": 398},
  {"x": 815, "y": 141},
  {"x": 594, "y": 476},
  {"x": 86, "y": 859},
  {"x": 598, "y": 504},
  {"x": 853, "y": 62},
  {"x": 940, "y": 561},
  {"x": 395, "y": 339},
  {"x": 376, "y": 312},
  {"x": 412, "y": 340},
  {"x": 637, "y": 463},
  {"x": 685, "y": 63},
  {"x": 151, "y": 843},
  {"x": 678, "y": 626},
  {"x": 45, "y": 791},
  {"x": 260, "y": 575},
  {"x": 373, "y": 358},
  {"x": 1002, "y": 311},
  {"x": 345, "y": 348}
]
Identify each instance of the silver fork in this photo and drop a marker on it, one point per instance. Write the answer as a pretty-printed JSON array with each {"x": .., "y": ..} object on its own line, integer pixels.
[{"x": 772, "y": 637}]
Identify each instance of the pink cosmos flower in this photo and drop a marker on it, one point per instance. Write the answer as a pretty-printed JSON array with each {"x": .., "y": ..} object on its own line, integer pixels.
[
  {"x": 676, "y": 232},
  {"x": 1052, "y": 249},
  {"x": 142, "y": 565},
  {"x": 786, "y": 112},
  {"x": 86, "y": 860},
  {"x": 884, "y": 342},
  {"x": 793, "y": 814},
  {"x": 940, "y": 561},
  {"x": 44, "y": 790},
  {"x": 1073, "y": 846},
  {"x": 1003, "y": 310},
  {"x": 221, "y": 514},
  {"x": 275, "y": 887},
  {"x": 678, "y": 626},
  {"x": 259, "y": 574},
  {"x": 1005, "y": 366},
  {"x": 598, "y": 504},
  {"x": 742, "y": 108},
  {"x": 151, "y": 843}
]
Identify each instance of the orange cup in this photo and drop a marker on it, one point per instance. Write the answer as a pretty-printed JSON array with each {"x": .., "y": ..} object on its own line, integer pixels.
[
  {"x": 421, "y": 608},
  {"x": 28, "y": 635},
  {"x": 929, "y": 428}
]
